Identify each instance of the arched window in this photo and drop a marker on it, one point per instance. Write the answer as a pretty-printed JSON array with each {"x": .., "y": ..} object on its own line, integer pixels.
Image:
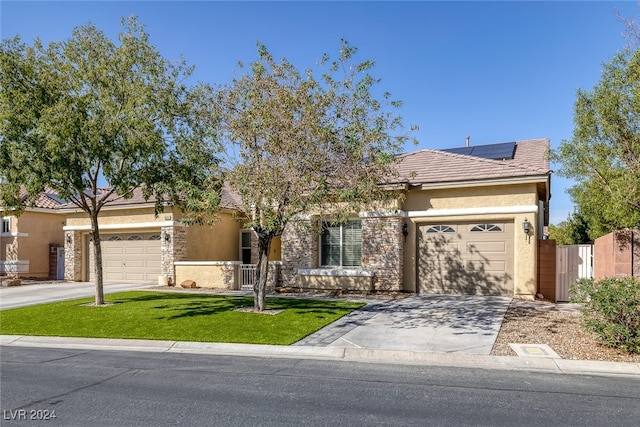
[
  {"x": 485, "y": 227},
  {"x": 114, "y": 238},
  {"x": 154, "y": 237},
  {"x": 441, "y": 229},
  {"x": 134, "y": 237}
]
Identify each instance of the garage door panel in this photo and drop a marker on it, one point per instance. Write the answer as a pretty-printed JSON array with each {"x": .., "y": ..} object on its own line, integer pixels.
[
  {"x": 136, "y": 263},
  {"x": 488, "y": 247},
  {"x": 108, "y": 248},
  {"x": 154, "y": 250},
  {"x": 134, "y": 249},
  {"x": 111, "y": 263},
  {"x": 478, "y": 259},
  {"x": 451, "y": 247},
  {"x": 488, "y": 266}
]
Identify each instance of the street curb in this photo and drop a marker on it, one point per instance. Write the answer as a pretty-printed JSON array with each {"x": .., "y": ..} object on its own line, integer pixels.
[{"x": 361, "y": 355}]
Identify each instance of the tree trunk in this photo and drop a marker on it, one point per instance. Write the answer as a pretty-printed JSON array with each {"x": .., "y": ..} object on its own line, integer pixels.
[
  {"x": 97, "y": 253},
  {"x": 262, "y": 270}
]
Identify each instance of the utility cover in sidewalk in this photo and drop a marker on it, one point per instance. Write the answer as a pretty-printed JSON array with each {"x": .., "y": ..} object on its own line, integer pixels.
[{"x": 534, "y": 350}]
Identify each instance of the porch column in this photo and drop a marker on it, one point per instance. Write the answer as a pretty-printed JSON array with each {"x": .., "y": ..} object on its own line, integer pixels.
[
  {"x": 73, "y": 255},
  {"x": 174, "y": 248},
  {"x": 383, "y": 251},
  {"x": 299, "y": 244}
]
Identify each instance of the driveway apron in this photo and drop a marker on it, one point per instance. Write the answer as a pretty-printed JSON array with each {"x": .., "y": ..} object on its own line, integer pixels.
[
  {"x": 466, "y": 324},
  {"x": 21, "y": 296}
]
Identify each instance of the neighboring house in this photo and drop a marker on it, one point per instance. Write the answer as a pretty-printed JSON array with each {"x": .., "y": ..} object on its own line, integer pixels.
[
  {"x": 467, "y": 221},
  {"x": 138, "y": 246},
  {"x": 31, "y": 244}
]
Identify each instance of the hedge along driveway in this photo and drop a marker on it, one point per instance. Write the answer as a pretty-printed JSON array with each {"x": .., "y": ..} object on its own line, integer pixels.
[{"x": 176, "y": 317}]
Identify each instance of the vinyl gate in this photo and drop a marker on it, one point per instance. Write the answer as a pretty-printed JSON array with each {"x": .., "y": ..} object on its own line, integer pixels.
[
  {"x": 247, "y": 276},
  {"x": 573, "y": 262}
]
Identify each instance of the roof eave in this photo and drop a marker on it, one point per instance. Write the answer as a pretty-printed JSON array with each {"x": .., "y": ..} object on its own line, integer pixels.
[{"x": 481, "y": 182}]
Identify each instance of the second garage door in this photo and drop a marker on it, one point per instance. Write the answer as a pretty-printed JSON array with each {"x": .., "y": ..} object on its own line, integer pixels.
[
  {"x": 133, "y": 257},
  {"x": 466, "y": 258}
]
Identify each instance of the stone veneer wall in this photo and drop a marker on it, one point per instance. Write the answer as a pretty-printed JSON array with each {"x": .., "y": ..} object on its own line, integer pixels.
[
  {"x": 274, "y": 277},
  {"x": 73, "y": 255},
  {"x": 299, "y": 249},
  {"x": 383, "y": 251},
  {"x": 173, "y": 249}
]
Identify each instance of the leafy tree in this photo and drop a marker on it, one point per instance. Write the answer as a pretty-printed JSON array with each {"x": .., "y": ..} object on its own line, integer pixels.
[
  {"x": 305, "y": 144},
  {"x": 87, "y": 110},
  {"x": 603, "y": 156},
  {"x": 573, "y": 231}
]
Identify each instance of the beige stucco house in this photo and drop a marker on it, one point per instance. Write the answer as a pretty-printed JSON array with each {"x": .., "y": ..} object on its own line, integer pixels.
[
  {"x": 466, "y": 221},
  {"x": 31, "y": 243}
]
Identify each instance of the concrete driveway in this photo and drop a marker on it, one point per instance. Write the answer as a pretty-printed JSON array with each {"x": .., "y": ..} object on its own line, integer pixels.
[
  {"x": 20, "y": 296},
  {"x": 437, "y": 323}
]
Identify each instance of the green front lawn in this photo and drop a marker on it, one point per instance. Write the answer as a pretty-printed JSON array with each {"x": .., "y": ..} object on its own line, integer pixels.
[{"x": 176, "y": 317}]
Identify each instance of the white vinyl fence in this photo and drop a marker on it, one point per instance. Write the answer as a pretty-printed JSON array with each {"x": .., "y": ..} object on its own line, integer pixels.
[{"x": 573, "y": 262}]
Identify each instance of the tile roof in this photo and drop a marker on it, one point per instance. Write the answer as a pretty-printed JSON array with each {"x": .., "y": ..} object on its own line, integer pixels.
[
  {"x": 425, "y": 166},
  {"x": 45, "y": 200},
  {"x": 48, "y": 201},
  {"x": 229, "y": 199},
  {"x": 434, "y": 166}
]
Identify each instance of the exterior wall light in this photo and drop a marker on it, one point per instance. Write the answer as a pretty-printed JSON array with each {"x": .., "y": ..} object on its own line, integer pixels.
[
  {"x": 167, "y": 236},
  {"x": 68, "y": 239},
  {"x": 526, "y": 226},
  {"x": 405, "y": 230}
]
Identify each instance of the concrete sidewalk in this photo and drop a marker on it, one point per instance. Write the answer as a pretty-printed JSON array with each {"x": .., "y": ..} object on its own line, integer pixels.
[{"x": 363, "y": 355}]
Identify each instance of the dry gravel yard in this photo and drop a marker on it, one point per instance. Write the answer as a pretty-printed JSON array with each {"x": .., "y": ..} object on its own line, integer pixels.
[{"x": 528, "y": 322}]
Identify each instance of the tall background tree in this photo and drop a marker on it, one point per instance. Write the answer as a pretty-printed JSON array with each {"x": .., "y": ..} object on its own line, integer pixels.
[
  {"x": 603, "y": 156},
  {"x": 87, "y": 112},
  {"x": 305, "y": 143},
  {"x": 573, "y": 231}
]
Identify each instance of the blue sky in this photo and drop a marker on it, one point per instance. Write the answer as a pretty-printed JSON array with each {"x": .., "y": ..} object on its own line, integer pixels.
[{"x": 496, "y": 71}]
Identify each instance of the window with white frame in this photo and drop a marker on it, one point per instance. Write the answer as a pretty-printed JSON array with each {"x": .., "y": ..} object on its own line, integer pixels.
[
  {"x": 341, "y": 244},
  {"x": 6, "y": 225}
]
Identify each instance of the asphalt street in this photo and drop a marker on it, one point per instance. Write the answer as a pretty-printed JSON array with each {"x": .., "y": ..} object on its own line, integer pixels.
[{"x": 115, "y": 388}]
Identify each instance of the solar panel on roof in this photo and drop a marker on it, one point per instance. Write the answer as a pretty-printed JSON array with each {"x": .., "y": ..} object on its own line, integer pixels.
[
  {"x": 460, "y": 150},
  {"x": 55, "y": 198},
  {"x": 501, "y": 151}
]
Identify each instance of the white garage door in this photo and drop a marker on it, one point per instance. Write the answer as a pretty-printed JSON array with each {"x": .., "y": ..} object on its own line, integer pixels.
[
  {"x": 466, "y": 258},
  {"x": 133, "y": 257}
]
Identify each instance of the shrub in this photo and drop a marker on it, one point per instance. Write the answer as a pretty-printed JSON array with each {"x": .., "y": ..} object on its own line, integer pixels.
[
  {"x": 611, "y": 310},
  {"x": 581, "y": 290}
]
